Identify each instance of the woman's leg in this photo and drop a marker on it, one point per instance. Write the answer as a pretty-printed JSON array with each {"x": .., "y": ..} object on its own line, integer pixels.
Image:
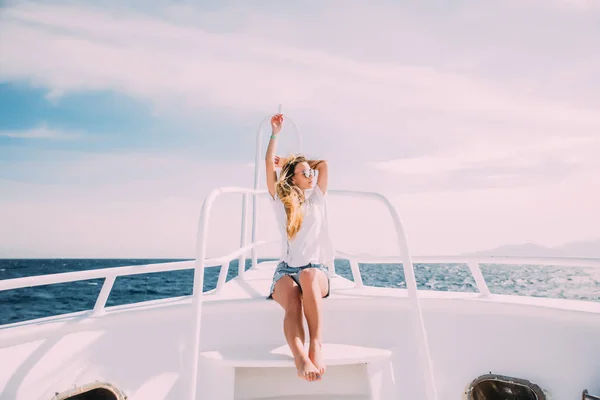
[
  {"x": 287, "y": 294},
  {"x": 315, "y": 286}
]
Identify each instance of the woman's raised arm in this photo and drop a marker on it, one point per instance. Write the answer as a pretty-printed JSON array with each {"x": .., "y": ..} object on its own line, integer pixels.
[{"x": 276, "y": 123}]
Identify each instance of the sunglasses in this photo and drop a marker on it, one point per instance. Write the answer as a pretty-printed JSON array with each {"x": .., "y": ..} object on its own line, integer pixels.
[{"x": 308, "y": 172}]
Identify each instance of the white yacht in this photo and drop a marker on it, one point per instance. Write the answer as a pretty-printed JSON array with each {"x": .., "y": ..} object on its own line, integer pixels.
[{"x": 381, "y": 343}]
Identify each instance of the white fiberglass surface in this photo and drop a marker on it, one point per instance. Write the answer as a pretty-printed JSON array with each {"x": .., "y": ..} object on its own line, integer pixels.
[{"x": 147, "y": 350}]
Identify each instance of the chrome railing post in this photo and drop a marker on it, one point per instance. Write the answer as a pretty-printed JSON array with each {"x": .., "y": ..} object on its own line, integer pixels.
[
  {"x": 243, "y": 236},
  {"x": 197, "y": 290},
  {"x": 413, "y": 296},
  {"x": 356, "y": 273},
  {"x": 254, "y": 223},
  {"x": 109, "y": 281},
  {"x": 199, "y": 280},
  {"x": 479, "y": 279},
  {"x": 411, "y": 286},
  {"x": 222, "y": 276}
]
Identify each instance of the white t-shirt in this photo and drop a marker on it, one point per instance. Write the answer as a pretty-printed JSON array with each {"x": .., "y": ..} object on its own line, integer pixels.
[{"x": 312, "y": 243}]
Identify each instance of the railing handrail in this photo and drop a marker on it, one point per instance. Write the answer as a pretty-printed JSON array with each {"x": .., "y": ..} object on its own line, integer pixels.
[
  {"x": 411, "y": 284},
  {"x": 473, "y": 263},
  {"x": 199, "y": 265},
  {"x": 76, "y": 276},
  {"x": 363, "y": 258}
]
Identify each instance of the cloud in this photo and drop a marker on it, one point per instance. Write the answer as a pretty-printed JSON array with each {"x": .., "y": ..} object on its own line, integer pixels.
[
  {"x": 182, "y": 67},
  {"x": 479, "y": 164},
  {"x": 432, "y": 118},
  {"x": 41, "y": 132},
  {"x": 496, "y": 154}
]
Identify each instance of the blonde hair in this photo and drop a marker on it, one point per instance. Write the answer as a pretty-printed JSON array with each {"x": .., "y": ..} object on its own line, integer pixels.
[{"x": 290, "y": 195}]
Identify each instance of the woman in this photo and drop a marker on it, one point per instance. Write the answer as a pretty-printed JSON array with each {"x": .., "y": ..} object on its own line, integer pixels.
[{"x": 301, "y": 279}]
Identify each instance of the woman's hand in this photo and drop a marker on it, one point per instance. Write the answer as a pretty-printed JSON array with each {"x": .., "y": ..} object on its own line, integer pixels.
[
  {"x": 276, "y": 123},
  {"x": 279, "y": 161}
]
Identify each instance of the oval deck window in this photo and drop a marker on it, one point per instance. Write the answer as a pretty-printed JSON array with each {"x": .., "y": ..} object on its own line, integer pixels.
[
  {"x": 92, "y": 391},
  {"x": 498, "y": 387}
]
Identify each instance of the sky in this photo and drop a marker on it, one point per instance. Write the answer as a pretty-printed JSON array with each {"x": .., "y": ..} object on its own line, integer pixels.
[{"x": 478, "y": 120}]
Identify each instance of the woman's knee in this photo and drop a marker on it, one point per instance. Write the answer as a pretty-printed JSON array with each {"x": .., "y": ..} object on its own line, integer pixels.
[
  {"x": 314, "y": 280},
  {"x": 308, "y": 276}
]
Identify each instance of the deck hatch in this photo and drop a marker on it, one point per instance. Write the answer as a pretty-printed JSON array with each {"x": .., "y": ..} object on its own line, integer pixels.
[
  {"x": 92, "y": 391},
  {"x": 499, "y": 387}
]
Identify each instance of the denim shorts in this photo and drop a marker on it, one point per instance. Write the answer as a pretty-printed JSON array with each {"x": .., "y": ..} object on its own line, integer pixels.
[{"x": 293, "y": 272}]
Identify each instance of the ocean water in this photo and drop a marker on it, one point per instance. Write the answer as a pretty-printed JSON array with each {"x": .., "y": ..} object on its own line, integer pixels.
[{"x": 29, "y": 303}]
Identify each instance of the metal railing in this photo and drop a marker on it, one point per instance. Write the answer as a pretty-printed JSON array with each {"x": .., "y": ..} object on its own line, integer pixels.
[
  {"x": 411, "y": 284},
  {"x": 199, "y": 265},
  {"x": 473, "y": 263},
  {"x": 111, "y": 274}
]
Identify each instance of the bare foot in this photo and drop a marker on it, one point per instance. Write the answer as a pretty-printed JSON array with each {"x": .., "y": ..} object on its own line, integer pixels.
[
  {"x": 315, "y": 355},
  {"x": 306, "y": 369}
]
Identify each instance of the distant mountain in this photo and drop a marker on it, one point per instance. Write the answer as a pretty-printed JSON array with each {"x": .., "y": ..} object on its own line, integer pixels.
[{"x": 584, "y": 249}]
